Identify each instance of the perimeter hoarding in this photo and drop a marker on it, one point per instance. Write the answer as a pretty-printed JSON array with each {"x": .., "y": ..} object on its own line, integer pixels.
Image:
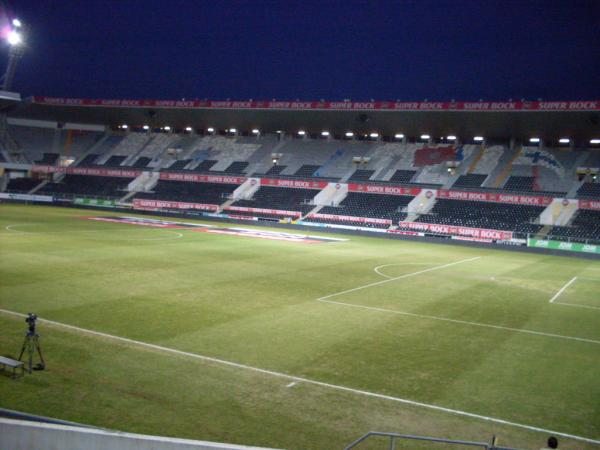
[
  {"x": 452, "y": 230},
  {"x": 567, "y": 246}
]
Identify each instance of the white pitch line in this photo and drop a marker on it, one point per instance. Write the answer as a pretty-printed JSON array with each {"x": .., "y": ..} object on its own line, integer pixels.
[
  {"x": 463, "y": 322},
  {"x": 562, "y": 289},
  {"x": 577, "y": 305},
  {"x": 376, "y": 269},
  {"x": 310, "y": 381},
  {"x": 406, "y": 275}
]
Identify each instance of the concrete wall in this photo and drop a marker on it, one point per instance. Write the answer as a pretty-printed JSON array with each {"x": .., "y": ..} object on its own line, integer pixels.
[{"x": 24, "y": 435}]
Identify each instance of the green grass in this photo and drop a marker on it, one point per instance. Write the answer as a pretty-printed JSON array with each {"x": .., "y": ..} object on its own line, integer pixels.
[{"x": 253, "y": 301}]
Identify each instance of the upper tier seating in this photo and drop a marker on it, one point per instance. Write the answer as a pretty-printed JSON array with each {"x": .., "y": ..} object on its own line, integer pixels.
[
  {"x": 306, "y": 171},
  {"x": 379, "y": 206},
  {"x": 88, "y": 160},
  {"x": 496, "y": 216},
  {"x": 402, "y": 176},
  {"x": 22, "y": 184},
  {"x": 585, "y": 226},
  {"x": 205, "y": 165},
  {"x": 589, "y": 190},
  {"x": 469, "y": 181},
  {"x": 142, "y": 162},
  {"x": 114, "y": 161},
  {"x": 49, "y": 159},
  {"x": 236, "y": 167},
  {"x": 361, "y": 175},
  {"x": 275, "y": 170},
  {"x": 517, "y": 183},
  {"x": 181, "y": 191},
  {"x": 179, "y": 165},
  {"x": 288, "y": 199},
  {"x": 89, "y": 185}
]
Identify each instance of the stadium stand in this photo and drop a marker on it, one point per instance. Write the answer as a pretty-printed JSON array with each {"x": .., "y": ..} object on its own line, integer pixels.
[
  {"x": 205, "y": 165},
  {"x": 402, "y": 176},
  {"x": 114, "y": 161},
  {"x": 236, "y": 167},
  {"x": 306, "y": 171},
  {"x": 22, "y": 184},
  {"x": 181, "y": 191},
  {"x": 496, "y": 216},
  {"x": 275, "y": 170},
  {"x": 378, "y": 206},
  {"x": 180, "y": 164},
  {"x": 287, "y": 199},
  {"x": 361, "y": 175},
  {"x": 88, "y": 160},
  {"x": 88, "y": 185},
  {"x": 49, "y": 159},
  {"x": 472, "y": 180},
  {"x": 589, "y": 190}
]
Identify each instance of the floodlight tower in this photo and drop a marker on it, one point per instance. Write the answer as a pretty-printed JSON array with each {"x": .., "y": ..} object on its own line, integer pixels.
[{"x": 16, "y": 42}]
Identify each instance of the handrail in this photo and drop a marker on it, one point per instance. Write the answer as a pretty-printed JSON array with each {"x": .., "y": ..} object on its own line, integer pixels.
[{"x": 394, "y": 436}]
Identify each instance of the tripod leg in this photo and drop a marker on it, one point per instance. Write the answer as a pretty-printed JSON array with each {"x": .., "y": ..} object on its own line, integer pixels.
[
  {"x": 23, "y": 348},
  {"x": 39, "y": 350},
  {"x": 30, "y": 350}
]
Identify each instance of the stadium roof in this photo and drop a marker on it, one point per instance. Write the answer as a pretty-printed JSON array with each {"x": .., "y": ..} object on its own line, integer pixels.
[{"x": 578, "y": 120}]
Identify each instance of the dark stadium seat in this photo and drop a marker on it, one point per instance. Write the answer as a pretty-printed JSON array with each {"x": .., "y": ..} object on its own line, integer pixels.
[
  {"x": 205, "y": 165},
  {"x": 589, "y": 190},
  {"x": 361, "y": 175},
  {"x": 489, "y": 215},
  {"x": 469, "y": 181},
  {"x": 585, "y": 227},
  {"x": 275, "y": 170},
  {"x": 307, "y": 170},
  {"x": 236, "y": 167},
  {"x": 48, "y": 159},
  {"x": 22, "y": 184},
  {"x": 402, "y": 176},
  {"x": 142, "y": 162},
  {"x": 87, "y": 185},
  {"x": 182, "y": 191},
  {"x": 179, "y": 165},
  {"x": 288, "y": 199},
  {"x": 114, "y": 161},
  {"x": 88, "y": 160},
  {"x": 378, "y": 206}
]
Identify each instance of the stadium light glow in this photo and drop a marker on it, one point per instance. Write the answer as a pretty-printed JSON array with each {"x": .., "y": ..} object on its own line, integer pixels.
[
  {"x": 425, "y": 137},
  {"x": 451, "y": 137},
  {"x": 595, "y": 141},
  {"x": 232, "y": 130},
  {"x": 167, "y": 128},
  {"x": 146, "y": 127},
  {"x": 210, "y": 129},
  {"x": 564, "y": 140},
  {"x": 349, "y": 134},
  {"x": 188, "y": 129},
  {"x": 399, "y": 136},
  {"x": 255, "y": 131},
  {"x": 534, "y": 140},
  {"x": 301, "y": 133},
  {"x": 478, "y": 138},
  {"x": 124, "y": 126},
  {"x": 14, "y": 38},
  {"x": 16, "y": 23},
  {"x": 374, "y": 135},
  {"x": 325, "y": 133}
]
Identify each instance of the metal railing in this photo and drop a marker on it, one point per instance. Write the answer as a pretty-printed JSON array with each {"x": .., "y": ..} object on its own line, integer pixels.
[{"x": 393, "y": 437}]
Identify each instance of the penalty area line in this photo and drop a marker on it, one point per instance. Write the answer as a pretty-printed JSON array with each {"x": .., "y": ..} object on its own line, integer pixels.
[
  {"x": 562, "y": 289},
  {"x": 310, "y": 381}
]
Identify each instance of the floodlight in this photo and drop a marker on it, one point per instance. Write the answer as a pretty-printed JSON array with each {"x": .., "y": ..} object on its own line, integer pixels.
[
  {"x": 534, "y": 140},
  {"x": 232, "y": 130},
  {"x": 595, "y": 141},
  {"x": 451, "y": 137},
  {"x": 564, "y": 140},
  {"x": 399, "y": 136},
  {"x": 124, "y": 126},
  {"x": 374, "y": 135},
  {"x": 325, "y": 133},
  {"x": 349, "y": 134},
  {"x": 425, "y": 137},
  {"x": 146, "y": 127},
  {"x": 167, "y": 128},
  {"x": 188, "y": 129},
  {"x": 255, "y": 131},
  {"x": 14, "y": 38},
  {"x": 16, "y": 23},
  {"x": 210, "y": 130},
  {"x": 301, "y": 133},
  {"x": 478, "y": 138}
]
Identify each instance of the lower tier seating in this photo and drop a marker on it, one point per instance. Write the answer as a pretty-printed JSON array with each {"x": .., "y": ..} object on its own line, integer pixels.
[
  {"x": 180, "y": 164},
  {"x": 288, "y": 199},
  {"x": 22, "y": 184},
  {"x": 89, "y": 186},
  {"x": 402, "y": 176},
  {"x": 585, "y": 227},
  {"x": 88, "y": 160},
  {"x": 496, "y": 216},
  {"x": 306, "y": 170},
  {"x": 181, "y": 191},
  {"x": 378, "y": 206},
  {"x": 361, "y": 175}
]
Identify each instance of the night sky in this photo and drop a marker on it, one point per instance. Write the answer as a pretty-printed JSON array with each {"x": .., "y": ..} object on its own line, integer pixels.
[{"x": 310, "y": 50}]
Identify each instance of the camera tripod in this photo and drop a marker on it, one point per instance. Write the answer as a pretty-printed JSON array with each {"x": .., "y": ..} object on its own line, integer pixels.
[{"x": 31, "y": 344}]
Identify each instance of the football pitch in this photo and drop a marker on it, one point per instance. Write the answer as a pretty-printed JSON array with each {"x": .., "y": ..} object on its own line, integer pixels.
[{"x": 225, "y": 333}]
